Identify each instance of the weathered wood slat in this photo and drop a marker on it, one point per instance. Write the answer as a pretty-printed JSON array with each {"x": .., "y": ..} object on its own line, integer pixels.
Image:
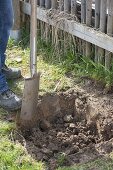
[
  {"x": 54, "y": 4},
  {"x": 61, "y": 5},
  {"x": 86, "y": 33},
  {"x": 48, "y": 4},
  {"x": 15, "y": 33},
  {"x": 42, "y": 3},
  {"x": 97, "y": 23},
  {"x": 42, "y": 24},
  {"x": 88, "y": 23},
  {"x": 47, "y": 26},
  {"x": 67, "y": 6},
  {"x": 73, "y": 7},
  {"x": 97, "y": 13},
  {"x": 108, "y": 55},
  {"x": 103, "y": 12},
  {"x": 83, "y": 21},
  {"x": 83, "y": 11}
]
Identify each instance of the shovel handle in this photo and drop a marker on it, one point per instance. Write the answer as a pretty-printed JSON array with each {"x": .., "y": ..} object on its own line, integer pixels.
[{"x": 33, "y": 38}]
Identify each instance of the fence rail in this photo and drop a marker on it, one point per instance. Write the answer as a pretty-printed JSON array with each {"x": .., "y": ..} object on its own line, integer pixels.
[{"x": 89, "y": 20}]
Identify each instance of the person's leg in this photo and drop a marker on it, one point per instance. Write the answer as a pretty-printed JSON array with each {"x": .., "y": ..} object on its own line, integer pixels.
[
  {"x": 8, "y": 99},
  {"x": 6, "y": 22},
  {"x": 6, "y": 17}
]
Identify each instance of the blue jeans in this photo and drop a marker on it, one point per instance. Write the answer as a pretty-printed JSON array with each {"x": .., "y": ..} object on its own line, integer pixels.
[{"x": 6, "y": 22}]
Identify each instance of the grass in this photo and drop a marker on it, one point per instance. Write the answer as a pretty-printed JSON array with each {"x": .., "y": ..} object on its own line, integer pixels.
[
  {"x": 99, "y": 164},
  {"x": 13, "y": 156}
]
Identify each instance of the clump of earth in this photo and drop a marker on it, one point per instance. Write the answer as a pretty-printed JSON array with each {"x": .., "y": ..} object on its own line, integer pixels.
[{"x": 75, "y": 126}]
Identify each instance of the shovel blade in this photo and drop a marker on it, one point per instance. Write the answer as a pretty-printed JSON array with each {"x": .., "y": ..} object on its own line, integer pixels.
[{"x": 28, "y": 116}]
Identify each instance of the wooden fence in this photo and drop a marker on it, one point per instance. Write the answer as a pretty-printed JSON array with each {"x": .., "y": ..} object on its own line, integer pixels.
[{"x": 89, "y": 23}]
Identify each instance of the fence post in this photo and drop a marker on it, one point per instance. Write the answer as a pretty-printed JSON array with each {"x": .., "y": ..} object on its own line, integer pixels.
[
  {"x": 108, "y": 55},
  {"x": 15, "y": 33}
]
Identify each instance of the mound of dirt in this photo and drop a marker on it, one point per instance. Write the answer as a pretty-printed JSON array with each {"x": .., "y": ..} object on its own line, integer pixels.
[{"x": 76, "y": 127}]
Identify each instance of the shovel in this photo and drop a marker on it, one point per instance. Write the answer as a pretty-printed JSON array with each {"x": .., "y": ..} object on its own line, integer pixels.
[{"x": 28, "y": 116}]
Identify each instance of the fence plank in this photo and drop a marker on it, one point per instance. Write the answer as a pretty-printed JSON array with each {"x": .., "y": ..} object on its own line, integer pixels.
[
  {"x": 103, "y": 11},
  {"x": 88, "y": 23},
  {"x": 47, "y": 26},
  {"x": 54, "y": 4},
  {"x": 73, "y": 7},
  {"x": 42, "y": 24},
  {"x": 97, "y": 23},
  {"x": 108, "y": 55},
  {"x": 83, "y": 21},
  {"x": 48, "y": 4},
  {"x": 42, "y": 3},
  {"x": 83, "y": 11},
  {"x": 67, "y": 6},
  {"x": 61, "y": 5},
  {"x": 97, "y": 13},
  {"x": 15, "y": 33},
  {"x": 74, "y": 13}
]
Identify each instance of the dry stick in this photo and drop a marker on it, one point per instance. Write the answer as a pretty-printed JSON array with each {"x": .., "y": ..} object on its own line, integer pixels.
[
  {"x": 88, "y": 23},
  {"x": 103, "y": 10},
  {"x": 47, "y": 26},
  {"x": 108, "y": 55},
  {"x": 83, "y": 21},
  {"x": 42, "y": 24},
  {"x": 67, "y": 9},
  {"x": 97, "y": 23}
]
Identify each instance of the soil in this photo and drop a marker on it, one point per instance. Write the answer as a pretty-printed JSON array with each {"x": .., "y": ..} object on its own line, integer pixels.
[{"x": 76, "y": 126}]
